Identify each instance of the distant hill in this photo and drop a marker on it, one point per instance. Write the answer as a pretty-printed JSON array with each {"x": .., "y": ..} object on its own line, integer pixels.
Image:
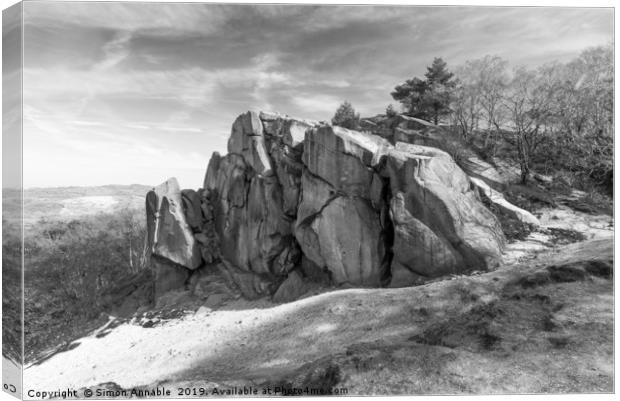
[{"x": 65, "y": 203}]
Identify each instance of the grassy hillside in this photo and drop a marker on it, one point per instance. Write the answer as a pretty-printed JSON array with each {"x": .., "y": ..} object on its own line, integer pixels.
[{"x": 64, "y": 203}]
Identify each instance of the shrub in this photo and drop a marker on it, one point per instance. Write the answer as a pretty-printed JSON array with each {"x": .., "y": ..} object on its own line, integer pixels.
[{"x": 69, "y": 267}]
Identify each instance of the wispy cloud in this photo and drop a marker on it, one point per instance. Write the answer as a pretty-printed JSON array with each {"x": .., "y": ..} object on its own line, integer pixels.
[
  {"x": 150, "y": 89},
  {"x": 114, "y": 51}
]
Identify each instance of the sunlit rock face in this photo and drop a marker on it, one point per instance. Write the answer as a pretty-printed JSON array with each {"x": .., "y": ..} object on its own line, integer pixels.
[
  {"x": 401, "y": 128},
  {"x": 297, "y": 200},
  {"x": 337, "y": 226},
  {"x": 169, "y": 235},
  {"x": 441, "y": 227}
]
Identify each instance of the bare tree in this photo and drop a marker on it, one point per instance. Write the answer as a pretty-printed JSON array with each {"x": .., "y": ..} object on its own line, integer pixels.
[
  {"x": 531, "y": 106},
  {"x": 466, "y": 110},
  {"x": 478, "y": 99},
  {"x": 493, "y": 85},
  {"x": 585, "y": 114}
]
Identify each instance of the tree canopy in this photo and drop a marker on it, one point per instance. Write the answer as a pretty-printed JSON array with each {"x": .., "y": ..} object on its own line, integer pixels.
[
  {"x": 430, "y": 98},
  {"x": 346, "y": 116},
  {"x": 557, "y": 115}
]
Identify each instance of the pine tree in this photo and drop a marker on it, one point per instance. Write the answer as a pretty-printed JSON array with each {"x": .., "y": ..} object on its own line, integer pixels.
[
  {"x": 346, "y": 117},
  {"x": 430, "y": 98}
]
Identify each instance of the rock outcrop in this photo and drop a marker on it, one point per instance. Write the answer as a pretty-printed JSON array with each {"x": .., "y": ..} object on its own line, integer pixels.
[
  {"x": 169, "y": 234},
  {"x": 170, "y": 244},
  {"x": 297, "y": 200},
  {"x": 179, "y": 236},
  {"x": 415, "y": 131},
  {"x": 497, "y": 199},
  {"x": 254, "y": 191},
  {"x": 440, "y": 226},
  {"x": 337, "y": 227}
]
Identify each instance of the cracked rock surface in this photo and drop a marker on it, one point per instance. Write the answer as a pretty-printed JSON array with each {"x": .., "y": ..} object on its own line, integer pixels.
[{"x": 358, "y": 208}]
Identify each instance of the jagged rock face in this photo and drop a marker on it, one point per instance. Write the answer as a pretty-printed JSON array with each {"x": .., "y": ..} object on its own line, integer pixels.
[
  {"x": 436, "y": 224},
  {"x": 345, "y": 237},
  {"x": 254, "y": 191},
  {"x": 171, "y": 248},
  {"x": 343, "y": 158},
  {"x": 337, "y": 227},
  {"x": 304, "y": 200},
  {"x": 251, "y": 285},
  {"x": 248, "y": 141},
  {"x": 285, "y": 141},
  {"x": 191, "y": 208}
]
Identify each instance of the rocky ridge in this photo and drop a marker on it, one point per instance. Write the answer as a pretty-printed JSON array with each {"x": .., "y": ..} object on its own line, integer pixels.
[
  {"x": 298, "y": 200},
  {"x": 401, "y": 128}
]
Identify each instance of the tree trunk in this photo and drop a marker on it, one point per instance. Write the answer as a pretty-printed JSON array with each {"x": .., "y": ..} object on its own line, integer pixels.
[
  {"x": 523, "y": 159},
  {"x": 486, "y": 138}
]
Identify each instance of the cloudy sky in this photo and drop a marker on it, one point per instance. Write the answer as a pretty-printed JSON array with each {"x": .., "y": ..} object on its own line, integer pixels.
[{"x": 134, "y": 93}]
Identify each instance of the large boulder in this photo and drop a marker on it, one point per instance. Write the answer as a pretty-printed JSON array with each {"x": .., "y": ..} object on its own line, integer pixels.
[
  {"x": 171, "y": 248},
  {"x": 440, "y": 225},
  {"x": 169, "y": 236},
  {"x": 417, "y": 247}
]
